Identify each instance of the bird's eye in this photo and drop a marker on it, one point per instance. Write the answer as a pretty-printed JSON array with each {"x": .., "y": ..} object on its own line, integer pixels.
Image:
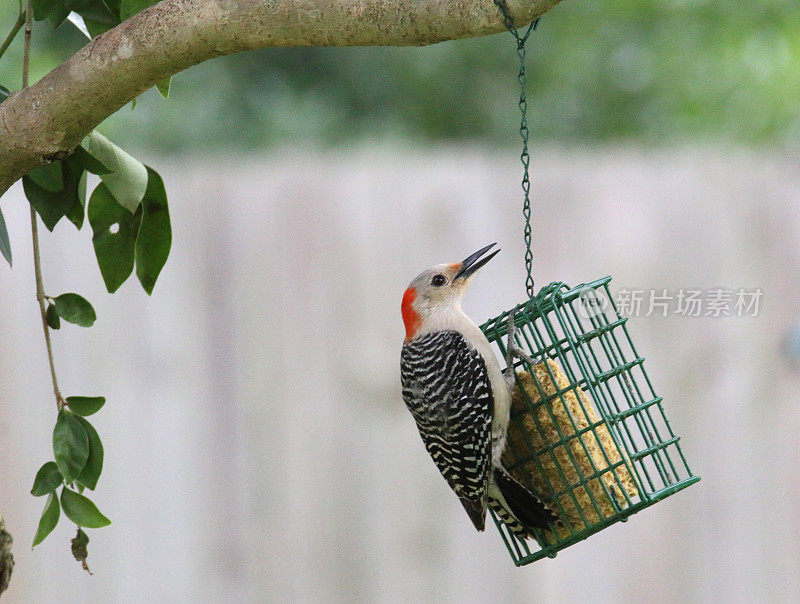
[{"x": 438, "y": 280}]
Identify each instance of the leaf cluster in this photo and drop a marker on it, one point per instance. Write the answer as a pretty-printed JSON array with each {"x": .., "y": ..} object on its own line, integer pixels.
[
  {"x": 58, "y": 189},
  {"x": 98, "y": 15},
  {"x": 77, "y": 465},
  {"x": 128, "y": 212}
]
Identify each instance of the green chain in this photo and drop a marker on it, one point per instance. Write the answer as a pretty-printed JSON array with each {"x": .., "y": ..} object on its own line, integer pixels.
[{"x": 525, "y": 157}]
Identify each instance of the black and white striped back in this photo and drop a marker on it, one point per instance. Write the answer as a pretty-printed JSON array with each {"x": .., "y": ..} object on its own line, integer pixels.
[{"x": 447, "y": 389}]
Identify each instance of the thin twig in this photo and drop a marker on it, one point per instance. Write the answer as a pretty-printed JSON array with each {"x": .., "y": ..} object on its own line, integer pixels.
[
  {"x": 13, "y": 33},
  {"x": 26, "y": 57},
  {"x": 40, "y": 296},
  {"x": 37, "y": 263}
]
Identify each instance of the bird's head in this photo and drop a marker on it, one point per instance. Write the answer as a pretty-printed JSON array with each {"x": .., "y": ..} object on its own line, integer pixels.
[{"x": 439, "y": 289}]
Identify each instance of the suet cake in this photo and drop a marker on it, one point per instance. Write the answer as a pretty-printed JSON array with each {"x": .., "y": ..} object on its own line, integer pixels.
[{"x": 534, "y": 434}]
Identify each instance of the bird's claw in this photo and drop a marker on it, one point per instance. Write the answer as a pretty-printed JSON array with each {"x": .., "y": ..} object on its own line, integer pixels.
[{"x": 513, "y": 350}]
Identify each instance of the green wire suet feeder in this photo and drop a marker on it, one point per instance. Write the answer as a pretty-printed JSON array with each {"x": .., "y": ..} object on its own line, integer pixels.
[{"x": 587, "y": 432}]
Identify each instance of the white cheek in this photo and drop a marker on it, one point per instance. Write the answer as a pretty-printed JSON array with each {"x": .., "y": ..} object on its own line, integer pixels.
[{"x": 441, "y": 302}]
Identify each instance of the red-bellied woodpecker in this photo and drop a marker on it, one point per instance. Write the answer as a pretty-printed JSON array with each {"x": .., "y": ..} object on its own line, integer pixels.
[{"x": 460, "y": 399}]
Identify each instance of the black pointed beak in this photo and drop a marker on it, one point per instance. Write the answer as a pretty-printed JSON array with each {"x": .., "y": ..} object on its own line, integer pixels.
[{"x": 474, "y": 262}]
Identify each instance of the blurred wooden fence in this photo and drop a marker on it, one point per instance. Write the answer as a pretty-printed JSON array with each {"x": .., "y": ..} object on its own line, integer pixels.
[{"x": 257, "y": 448}]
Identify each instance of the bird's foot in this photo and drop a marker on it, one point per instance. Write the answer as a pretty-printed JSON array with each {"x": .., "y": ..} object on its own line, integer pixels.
[{"x": 513, "y": 350}]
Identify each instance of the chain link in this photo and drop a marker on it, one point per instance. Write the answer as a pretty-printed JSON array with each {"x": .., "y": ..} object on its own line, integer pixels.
[{"x": 524, "y": 132}]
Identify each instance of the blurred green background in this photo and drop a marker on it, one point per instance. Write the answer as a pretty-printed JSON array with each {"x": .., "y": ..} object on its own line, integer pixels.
[{"x": 607, "y": 71}]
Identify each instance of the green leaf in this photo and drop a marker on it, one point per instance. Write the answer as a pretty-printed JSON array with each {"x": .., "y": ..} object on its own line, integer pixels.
[
  {"x": 70, "y": 445},
  {"x": 4, "y": 93},
  {"x": 75, "y": 309},
  {"x": 48, "y": 176},
  {"x": 128, "y": 8},
  {"x": 81, "y": 510},
  {"x": 89, "y": 161},
  {"x": 47, "y": 480},
  {"x": 94, "y": 464},
  {"x": 77, "y": 211},
  {"x": 75, "y": 180},
  {"x": 52, "y": 206},
  {"x": 114, "y": 236},
  {"x": 155, "y": 234},
  {"x": 85, "y": 405},
  {"x": 93, "y": 10},
  {"x": 49, "y": 519},
  {"x": 52, "y": 318},
  {"x": 79, "y": 24},
  {"x": 127, "y": 180},
  {"x": 163, "y": 87},
  {"x": 58, "y": 14},
  {"x": 42, "y": 9},
  {"x": 5, "y": 244}
]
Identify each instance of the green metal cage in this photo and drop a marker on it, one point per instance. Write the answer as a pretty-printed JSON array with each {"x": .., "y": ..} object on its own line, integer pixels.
[{"x": 588, "y": 432}]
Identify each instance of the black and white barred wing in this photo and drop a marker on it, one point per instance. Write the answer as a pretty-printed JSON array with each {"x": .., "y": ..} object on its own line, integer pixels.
[{"x": 446, "y": 387}]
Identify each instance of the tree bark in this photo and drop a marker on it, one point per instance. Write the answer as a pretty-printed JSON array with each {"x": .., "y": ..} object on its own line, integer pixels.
[{"x": 48, "y": 119}]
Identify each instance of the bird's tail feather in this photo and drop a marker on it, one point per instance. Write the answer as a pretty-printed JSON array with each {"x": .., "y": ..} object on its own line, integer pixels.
[
  {"x": 476, "y": 508},
  {"x": 522, "y": 508}
]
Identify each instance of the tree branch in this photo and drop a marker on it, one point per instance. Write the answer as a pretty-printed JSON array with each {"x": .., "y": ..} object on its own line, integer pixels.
[{"x": 47, "y": 120}]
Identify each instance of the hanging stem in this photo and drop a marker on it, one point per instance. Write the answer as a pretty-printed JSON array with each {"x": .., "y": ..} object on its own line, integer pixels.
[
  {"x": 13, "y": 33},
  {"x": 40, "y": 296},
  {"x": 37, "y": 262}
]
